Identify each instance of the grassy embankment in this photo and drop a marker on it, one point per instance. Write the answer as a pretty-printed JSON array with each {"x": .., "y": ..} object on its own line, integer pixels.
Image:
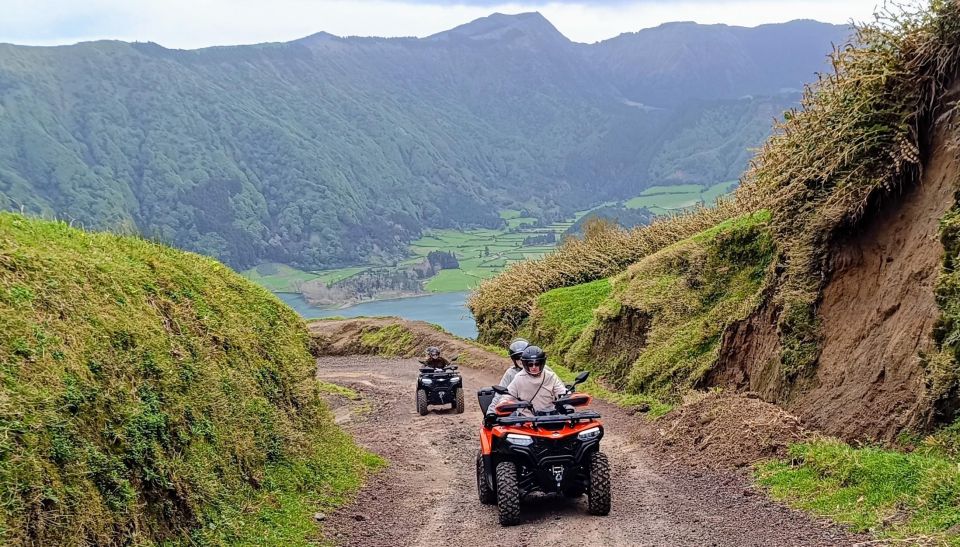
[
  {"x": 653, "y": 331},
  {"x": 153, "y": 396}
]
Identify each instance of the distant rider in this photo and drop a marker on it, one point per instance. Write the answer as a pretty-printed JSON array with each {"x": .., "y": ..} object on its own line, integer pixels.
[
  {"x": 536, "y": 383},
  {"x": 516, "y": 349},
  {"x": 434, "y": 359}
]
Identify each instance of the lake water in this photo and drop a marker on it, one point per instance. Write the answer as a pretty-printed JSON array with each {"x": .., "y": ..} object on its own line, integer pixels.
[{"x": 448, "y": 310}]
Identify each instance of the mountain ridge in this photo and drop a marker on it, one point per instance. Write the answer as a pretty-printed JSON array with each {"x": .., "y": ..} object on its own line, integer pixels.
[{"x": 283, "y": 151}]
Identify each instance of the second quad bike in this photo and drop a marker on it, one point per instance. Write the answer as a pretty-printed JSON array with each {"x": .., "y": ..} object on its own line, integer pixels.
[
  {"x": 553, "y": 451},
  {"x": 439, "y": 386}
]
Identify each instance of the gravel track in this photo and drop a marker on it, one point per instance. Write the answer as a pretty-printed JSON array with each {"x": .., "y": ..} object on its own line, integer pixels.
[{"x": 427, "y": 495}]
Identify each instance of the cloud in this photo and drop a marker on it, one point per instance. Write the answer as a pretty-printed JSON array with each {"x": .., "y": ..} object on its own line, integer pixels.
[{"x": 200, "y": 23}]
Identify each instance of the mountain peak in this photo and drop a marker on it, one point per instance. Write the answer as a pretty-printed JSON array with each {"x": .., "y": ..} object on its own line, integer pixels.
[{"x": 529, "y": 27}]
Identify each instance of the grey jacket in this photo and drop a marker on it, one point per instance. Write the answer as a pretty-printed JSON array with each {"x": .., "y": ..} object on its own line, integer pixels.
[
  {"x": 540, "y": 390},
  {"x": 505, "y": 381}
]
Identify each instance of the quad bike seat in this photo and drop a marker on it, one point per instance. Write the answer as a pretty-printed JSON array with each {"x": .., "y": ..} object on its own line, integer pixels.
[{"x": 485, "y": 397}]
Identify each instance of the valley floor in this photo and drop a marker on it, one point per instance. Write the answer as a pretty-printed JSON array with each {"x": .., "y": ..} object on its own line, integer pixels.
[{"x": 427, "y": 494}]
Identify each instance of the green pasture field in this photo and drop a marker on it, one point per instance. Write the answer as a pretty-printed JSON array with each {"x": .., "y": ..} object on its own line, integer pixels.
[{"x": 664, "y": 200}]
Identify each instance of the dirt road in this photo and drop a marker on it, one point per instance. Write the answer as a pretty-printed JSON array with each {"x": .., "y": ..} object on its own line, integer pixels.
[{"x": 427, "y": 495}]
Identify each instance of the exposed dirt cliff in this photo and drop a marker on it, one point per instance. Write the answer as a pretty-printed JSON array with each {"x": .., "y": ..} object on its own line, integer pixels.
[{"x": 876, "y": 314}]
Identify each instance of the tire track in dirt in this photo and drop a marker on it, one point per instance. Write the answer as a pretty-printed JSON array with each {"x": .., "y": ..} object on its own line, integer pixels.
[{"x": 427, "y": 495}]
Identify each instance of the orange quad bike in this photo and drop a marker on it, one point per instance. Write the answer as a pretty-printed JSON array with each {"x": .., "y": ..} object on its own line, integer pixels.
[{"x": 555, "y": 451}]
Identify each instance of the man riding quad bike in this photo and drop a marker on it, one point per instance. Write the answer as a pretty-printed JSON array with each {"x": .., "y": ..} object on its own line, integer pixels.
[
  {"x": 528, "y": 445},
  {"x": 439, "y": 383}
]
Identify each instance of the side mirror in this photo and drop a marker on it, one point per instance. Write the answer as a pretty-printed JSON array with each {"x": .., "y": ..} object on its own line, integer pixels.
[
  {"x": 499, "y": 389},
  {"x": 581, "y": 378},
  {"x": 455, "y": 357},
  {"x": 421, "y": 361}
]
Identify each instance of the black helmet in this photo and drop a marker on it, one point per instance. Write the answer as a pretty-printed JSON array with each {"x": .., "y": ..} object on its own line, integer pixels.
[
  {"x": 433, "y": 352},
  {"x": 517, "y": 347},
  {"x": 533, "y": 355}
]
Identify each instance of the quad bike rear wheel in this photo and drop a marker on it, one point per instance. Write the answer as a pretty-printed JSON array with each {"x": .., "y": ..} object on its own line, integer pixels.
[
  {"x": 508, "y": 494},
  {"x": 598, "y": 492},
  {"x": 422, "y": 402},
  {"x": 459, "y": 401},
  {"x": 487, "y": 495}
]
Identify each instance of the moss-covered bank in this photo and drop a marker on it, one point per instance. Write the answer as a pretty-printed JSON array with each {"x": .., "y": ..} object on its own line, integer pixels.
[{"x": 149, "y": 395}]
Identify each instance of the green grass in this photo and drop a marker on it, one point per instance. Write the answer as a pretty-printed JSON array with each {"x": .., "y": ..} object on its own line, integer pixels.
[
  {"x": 664, "y": 200},
  {"x": 387, "y": 341},
  {"x": 680, "y": 189},
  {"x": 710, "y": 195},
  {"x": 332, "y": 276},
  {"x": 520, "y": 221},
  {"x": 562, "y": 314},
  {"x": 911, "y": 496},
  {"x": 335, "y": 389},
  {"x": 278, "y": 277},
  {"x": 482, "y": 252},
  {"x": 151, "y": 395},
  {"x": 281, "y": 278},
  {"x": 451, "y": 281}
]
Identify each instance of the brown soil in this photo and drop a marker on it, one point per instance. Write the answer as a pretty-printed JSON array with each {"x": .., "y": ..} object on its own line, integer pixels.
[
  {"x": 726, "y": 430},
  {"x": 619, "y": 341},
  {"x": 877, "y": 315},
  {"x": 878, "y": 312},
  {"x": 427, "y": 494},
  {"x": 749, "y": 357}
]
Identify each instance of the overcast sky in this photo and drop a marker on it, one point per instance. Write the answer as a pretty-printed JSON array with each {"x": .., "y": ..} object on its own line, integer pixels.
[{"x": 199, "y": 23}]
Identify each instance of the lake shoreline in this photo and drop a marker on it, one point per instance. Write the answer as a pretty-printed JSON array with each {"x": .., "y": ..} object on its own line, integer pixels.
[{"x": 446, "y": 309}]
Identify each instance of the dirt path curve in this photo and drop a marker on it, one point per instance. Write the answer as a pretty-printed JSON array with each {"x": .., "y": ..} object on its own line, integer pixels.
[{"x": 427, "y": 495}]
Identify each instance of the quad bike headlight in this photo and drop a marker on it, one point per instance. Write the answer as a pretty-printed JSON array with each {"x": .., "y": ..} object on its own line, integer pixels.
[
  {"x": 589, "y": 434},
  {"x": 426, "y": 381},
  {"x": 454, "y": 380},
  {"x": 519, "y": 440}
]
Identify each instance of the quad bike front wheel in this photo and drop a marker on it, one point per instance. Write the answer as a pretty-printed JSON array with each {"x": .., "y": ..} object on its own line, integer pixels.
[
  {"x": 422, "y": 402},
  {"x": 598, "y": 492},
  {"x": 487, "y": 495},
  {"x": 508, "y": 494},
  {"x": 459, "y": 401}
]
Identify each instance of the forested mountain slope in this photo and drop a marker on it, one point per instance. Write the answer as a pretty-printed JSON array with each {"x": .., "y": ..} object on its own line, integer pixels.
[{"x": 288, "y": 151}]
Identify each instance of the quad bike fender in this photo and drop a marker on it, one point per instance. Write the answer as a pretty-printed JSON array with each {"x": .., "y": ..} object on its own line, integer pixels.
[{"x": 486, "y": 442}]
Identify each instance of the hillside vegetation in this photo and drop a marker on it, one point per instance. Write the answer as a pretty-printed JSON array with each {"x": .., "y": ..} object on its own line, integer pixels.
[
  {"x": 655, "y": 329},
  {"x": 854, "y": 144},
  {"x": 152, "y": 396},
  {"x": 326, "y": 152},
  {"x": 827, "y": 285}
]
